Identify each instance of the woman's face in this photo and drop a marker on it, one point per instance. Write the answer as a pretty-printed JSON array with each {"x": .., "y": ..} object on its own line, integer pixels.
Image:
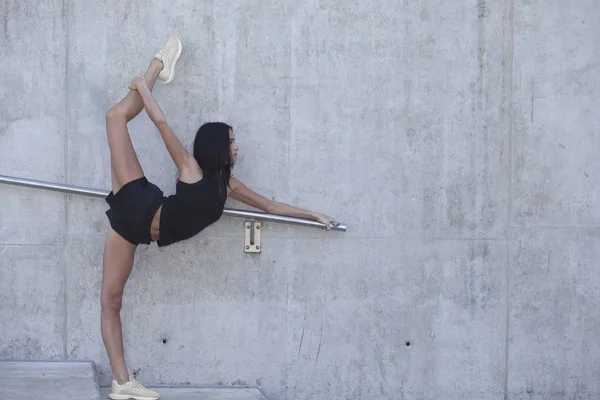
[{"x": 233, "y": 146}]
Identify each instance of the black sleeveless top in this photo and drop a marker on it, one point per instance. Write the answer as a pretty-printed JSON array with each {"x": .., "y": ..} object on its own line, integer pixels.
[{"x": 193, "y": 207}]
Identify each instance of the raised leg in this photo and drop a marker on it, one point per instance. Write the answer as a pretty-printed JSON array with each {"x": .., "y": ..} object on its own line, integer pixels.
[
  {"x": 124, "y": 163},
  {"x": 118, "y": 262}
]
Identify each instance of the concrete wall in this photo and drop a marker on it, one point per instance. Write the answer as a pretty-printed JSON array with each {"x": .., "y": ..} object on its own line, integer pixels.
[{"x": 459, "y": 140}]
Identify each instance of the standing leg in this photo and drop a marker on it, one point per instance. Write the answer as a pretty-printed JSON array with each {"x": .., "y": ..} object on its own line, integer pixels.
[
  {"x": 125, "y": 166},
  {"x": 118, "y": 262}
]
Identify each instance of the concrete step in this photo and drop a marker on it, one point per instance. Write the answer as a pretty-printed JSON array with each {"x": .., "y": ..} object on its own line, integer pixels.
[
  {"x": 199, "y": 393},
  {"x": 25, "y": 380}
]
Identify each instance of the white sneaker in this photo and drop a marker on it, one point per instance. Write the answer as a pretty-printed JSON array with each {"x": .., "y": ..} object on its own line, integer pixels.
[
  {"x": 169, "y": 56},
  {"x": 131, "y": 390}
]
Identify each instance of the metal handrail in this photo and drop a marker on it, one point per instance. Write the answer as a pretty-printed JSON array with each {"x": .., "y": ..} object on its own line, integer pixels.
[{"x": 59, "y": 187}]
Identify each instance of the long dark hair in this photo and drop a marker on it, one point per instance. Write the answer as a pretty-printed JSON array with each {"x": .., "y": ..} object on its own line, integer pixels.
[{"x": 212, "y": 151}]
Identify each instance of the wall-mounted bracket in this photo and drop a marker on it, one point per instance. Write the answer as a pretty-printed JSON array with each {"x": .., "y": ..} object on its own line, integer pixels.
[{"x": 252, "y": 236}]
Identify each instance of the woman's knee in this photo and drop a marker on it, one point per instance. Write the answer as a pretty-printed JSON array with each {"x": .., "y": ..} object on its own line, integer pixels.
[
  {"x": 117, "y": 112},
  {"x": 111, "y": 300}
]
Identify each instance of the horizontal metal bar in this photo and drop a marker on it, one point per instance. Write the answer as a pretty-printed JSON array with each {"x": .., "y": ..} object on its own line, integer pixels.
[
  {"x": 83, "y": 191},
  {"x": 55, "y": 187}
]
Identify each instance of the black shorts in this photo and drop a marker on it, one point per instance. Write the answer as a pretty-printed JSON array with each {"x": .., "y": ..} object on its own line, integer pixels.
[{"x": 133, "y": 208}]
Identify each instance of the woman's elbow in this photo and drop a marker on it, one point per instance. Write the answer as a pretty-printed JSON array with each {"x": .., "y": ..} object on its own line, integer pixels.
[{"x": 272, "y": 207}]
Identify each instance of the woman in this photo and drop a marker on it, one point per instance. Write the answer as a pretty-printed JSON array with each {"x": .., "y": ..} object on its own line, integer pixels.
[{"x": 139, "y": 213}]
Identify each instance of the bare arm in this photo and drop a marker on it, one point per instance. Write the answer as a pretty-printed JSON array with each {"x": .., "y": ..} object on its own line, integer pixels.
[
  {"x": 242, "y": 193},
  {"x": 187, "y": 165}
]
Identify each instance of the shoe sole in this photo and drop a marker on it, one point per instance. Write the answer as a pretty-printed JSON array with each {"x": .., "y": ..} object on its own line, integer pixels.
[
  {"x": 129, "y": 397},
  {"x": 171, "y": 77}
]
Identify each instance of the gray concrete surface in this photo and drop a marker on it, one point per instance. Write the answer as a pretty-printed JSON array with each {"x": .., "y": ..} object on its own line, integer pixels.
[
  {"x": 202, "y": 393},
  {"x": 43, "y": 380},
  {"x": 458, "y": 140}
]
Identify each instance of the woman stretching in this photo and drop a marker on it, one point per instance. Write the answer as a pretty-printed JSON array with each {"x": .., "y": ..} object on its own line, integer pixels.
[{"x": 140, "y": 213}]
